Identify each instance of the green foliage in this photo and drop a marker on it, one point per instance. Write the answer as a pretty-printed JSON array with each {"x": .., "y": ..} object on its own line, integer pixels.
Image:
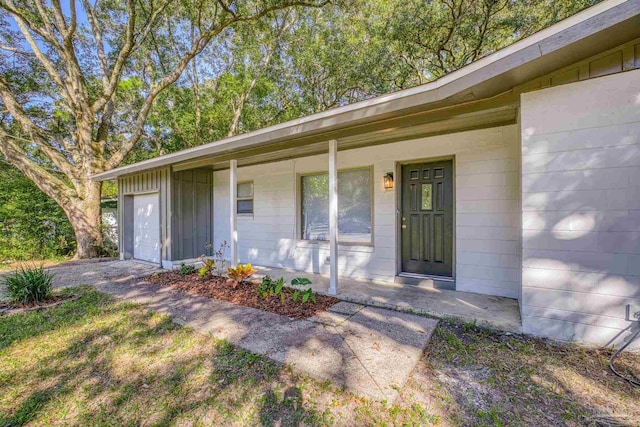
[
  {"x": 29, "y": 284},
  {"x": 32, "y": 226},
  {"x": 208, "y": 266},
  {"x": 241, "y": 272},
  {"x": 186, "y": 269},
  {"x": 270, "y": 287},
  {"x": 304, "y": 295},
  {"x": 300, "y": 281}
]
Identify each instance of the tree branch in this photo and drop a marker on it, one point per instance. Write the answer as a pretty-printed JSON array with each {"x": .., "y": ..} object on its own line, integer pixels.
[
  {"x": 97, "y": 35},
  {"x": 261, "y": 70},
  {"x": 51, "y": 185},
  {"x": 36, "y": 134},
  {"x": 131, "y": 41},
  {"x": 44, "y": 60},
  {"x": 47, "y": 33},
  {"x": 15, "y": 50}
]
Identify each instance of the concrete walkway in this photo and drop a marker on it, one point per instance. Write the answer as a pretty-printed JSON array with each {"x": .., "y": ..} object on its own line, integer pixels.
[
  {"x": 369, "y": 351},
  {"x": 495, "y": 312}
]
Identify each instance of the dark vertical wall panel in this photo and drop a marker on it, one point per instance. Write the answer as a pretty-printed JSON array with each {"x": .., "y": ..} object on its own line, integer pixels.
[
  {"x": 202, "y": 208},
  {"x": 187, "y": 226},
  {"x": 192, "y": 219}
]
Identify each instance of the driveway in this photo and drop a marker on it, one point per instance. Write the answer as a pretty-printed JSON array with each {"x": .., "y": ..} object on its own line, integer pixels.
[{"x": 369, "y": 351}]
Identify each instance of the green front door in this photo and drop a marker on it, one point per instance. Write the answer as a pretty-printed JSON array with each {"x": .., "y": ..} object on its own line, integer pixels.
[{"x": 427, "y": 218}]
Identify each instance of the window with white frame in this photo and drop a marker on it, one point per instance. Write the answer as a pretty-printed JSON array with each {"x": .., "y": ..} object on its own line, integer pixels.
[
  {"x": 354, "y": 206},
  {"x": 244, "y": 197}
]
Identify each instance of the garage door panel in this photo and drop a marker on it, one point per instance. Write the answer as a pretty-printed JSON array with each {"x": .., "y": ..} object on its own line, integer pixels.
[{"x": 146, "y": 227}]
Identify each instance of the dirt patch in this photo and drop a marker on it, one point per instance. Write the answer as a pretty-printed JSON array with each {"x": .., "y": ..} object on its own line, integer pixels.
[
  {"x": 470, "y": 386},
  {"x": 7, "y": 307},
  {"x": 245, "y": 293},
  {"x": 489, "y": 378}
]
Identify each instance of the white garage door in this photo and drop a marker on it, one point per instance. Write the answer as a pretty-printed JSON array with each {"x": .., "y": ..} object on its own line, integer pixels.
[{"x": 146, "y": 227}]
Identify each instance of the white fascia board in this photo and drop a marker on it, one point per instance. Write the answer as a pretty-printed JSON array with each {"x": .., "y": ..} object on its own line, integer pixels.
[{"x": 464, "y": 79}]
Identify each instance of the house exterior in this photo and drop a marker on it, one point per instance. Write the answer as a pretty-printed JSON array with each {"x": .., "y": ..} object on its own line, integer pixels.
[{"x": 516, "y": 176}]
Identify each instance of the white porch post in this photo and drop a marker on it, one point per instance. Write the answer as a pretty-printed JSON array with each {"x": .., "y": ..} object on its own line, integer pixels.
[
  {"x": 233, "y": 223},
  {"x": 333, "y": 217}
]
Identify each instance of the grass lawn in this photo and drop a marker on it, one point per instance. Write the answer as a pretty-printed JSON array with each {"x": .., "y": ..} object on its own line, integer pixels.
[{"x": 95, "y": 361}]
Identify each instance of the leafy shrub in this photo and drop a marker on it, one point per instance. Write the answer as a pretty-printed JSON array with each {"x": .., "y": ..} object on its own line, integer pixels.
[
  {"x": 32, "y": 225},
  {"x": 186, "y": 269},
  {"x": 29, "y": 285},
  {"x": 241, "y": 272}
]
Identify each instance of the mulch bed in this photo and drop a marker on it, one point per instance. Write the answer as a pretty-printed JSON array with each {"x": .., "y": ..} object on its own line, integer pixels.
[
  {"x": 245, "y": 293},
  {"x": 14, "y": 308}
]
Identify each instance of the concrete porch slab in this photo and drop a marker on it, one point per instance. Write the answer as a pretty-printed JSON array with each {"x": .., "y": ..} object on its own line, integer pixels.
[{"x": 486, "y": 310}]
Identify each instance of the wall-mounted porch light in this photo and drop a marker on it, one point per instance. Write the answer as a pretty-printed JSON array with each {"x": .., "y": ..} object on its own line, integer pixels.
[{"x": 388, "y": 181}]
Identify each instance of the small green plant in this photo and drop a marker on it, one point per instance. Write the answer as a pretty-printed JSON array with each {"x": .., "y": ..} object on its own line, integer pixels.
[
  {"x": 300, "y": 281},
  {"x": 214, "y": 265},
  {"x": 29, "y": 285},
  {"x": 186, "y": 269},
  {"x": 268, "y": 287},
  {"x": 271, "y": 287},
  {"x": 208, "y": 266},
  {"x": 470, "y": 326},
  {"x": 241, "y": 272},
  {"x": 302, "y": 296}
]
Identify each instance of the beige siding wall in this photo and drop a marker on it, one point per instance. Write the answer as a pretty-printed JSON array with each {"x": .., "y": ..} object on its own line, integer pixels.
[
  {"x": 581, "y": 208},
  {"x": 487, "y": 220}
]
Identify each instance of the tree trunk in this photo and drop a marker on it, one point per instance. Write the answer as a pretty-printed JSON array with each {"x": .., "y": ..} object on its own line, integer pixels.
[{"x": 85, "y": 216}]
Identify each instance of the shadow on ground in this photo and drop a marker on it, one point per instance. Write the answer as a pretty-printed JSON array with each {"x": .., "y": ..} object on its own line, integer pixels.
[
  {"x": 98, "y": 362},
  {"x": 95, "y": 361}
]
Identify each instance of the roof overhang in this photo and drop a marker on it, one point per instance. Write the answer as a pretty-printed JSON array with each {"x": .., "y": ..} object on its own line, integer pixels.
[{"x": 481, "y": 88}]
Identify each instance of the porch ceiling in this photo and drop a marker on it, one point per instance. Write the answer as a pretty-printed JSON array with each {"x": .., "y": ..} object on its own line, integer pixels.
[{"x": 474, "y": 115}]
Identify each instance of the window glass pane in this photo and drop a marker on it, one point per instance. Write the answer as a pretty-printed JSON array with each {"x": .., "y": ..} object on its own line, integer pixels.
[
  {"x": 245, "y": 206},
  {"x": 354, "y": 206},
  {"x": 315, "y": 207},
  {"x": 427, "y": 199},
  {"x": 245, "y": 189}
]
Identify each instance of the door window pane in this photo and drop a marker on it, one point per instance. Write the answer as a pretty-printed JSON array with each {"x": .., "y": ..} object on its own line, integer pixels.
[
  {"x": 354, "y": 206},
  {"x": 427, "y": 197}
]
